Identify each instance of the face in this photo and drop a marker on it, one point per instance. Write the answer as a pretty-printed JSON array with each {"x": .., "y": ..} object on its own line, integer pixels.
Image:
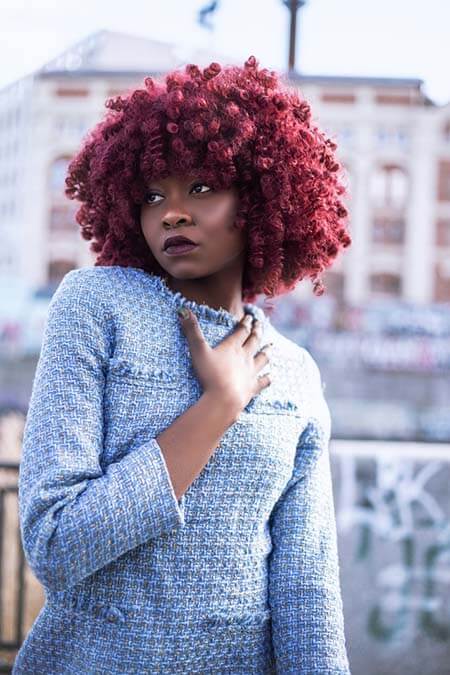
[{"x": 188, "y": 207}]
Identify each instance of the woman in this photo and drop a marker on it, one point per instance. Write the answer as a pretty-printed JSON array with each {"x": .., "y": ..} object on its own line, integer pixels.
[{"x": 175, "y": 491}]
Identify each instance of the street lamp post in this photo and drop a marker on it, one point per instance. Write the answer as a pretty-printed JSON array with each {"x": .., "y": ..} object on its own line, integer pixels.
[{"x": 293, "y": 6}]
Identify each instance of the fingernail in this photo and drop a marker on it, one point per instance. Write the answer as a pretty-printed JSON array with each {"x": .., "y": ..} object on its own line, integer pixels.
[{"x": 183, "y": 313}]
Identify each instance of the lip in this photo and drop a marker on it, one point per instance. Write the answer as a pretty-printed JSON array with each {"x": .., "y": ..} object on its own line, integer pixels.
[
  {"x": 180, "y": 249},
  {"x": 177, "y": 240}
]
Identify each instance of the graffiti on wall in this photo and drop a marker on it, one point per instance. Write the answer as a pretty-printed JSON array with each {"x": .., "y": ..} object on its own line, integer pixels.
[{"x": 395, "y": 509}]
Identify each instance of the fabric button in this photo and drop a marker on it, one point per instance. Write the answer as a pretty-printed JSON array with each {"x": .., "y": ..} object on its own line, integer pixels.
[{"x": 114, "y": 615}]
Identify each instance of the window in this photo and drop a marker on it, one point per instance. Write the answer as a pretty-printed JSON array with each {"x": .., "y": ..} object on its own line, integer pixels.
[
  {"x": 62, "y": 210},
  {"x": 338, "y": 97},
  {"x": 385, "y": 283},
  {"x": 446, "y": 131},
  {"x": 396, "y": 98},
  {"x": 388, "y": 230},
  {"x": 444, "y": 181},
  {"x": 72, "y": 92},
  {"x": 443, "y": 232},
  {"x": 397, "y": 137},
  {"x": 58, "y": 170},
  {"x": 441, "y": 284},
  {"x": 389, "y": 186},
  {"x": 71, "y": 124}
]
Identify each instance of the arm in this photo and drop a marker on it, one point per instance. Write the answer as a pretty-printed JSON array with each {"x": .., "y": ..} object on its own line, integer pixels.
[
  {"x": 75, "y": 516},
  {"x": 304, "y": 587},
  {"x": 198, "y": 431}
]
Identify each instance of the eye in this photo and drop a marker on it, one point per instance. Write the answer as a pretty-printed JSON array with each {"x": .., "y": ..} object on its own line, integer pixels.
[
  {"x": 148, "y": 199},
  {"x": 149, "y": 195},
  {"x": 201, "y": 185}
]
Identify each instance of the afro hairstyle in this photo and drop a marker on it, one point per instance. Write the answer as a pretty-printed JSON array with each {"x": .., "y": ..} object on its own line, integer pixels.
[{"x": 229, "y": 125}]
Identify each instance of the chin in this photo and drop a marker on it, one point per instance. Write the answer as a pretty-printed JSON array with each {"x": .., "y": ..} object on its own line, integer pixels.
[{"x": 188, "y": 274}]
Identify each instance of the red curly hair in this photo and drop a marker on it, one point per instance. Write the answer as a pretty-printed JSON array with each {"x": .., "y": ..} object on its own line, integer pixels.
[{"x": 232, "y": 125}]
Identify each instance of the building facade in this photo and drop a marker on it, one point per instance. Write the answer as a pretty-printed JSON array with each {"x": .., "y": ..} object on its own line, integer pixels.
[
  {"x": 395, "y": 145},
  {"x": 393, "y": 141}
]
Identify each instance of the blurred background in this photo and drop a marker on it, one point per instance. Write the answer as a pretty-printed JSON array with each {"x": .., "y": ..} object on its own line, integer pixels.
[{"x": 376, "y": 76}]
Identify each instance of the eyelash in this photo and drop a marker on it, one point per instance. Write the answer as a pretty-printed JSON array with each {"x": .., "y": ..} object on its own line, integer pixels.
[{"x": 153, "y": 194}]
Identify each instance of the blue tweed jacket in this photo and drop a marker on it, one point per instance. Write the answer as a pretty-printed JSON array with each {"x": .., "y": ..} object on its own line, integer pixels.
[{"x": 240, "y": 575}]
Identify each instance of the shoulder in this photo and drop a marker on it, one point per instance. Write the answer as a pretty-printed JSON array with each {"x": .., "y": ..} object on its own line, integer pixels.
[
  {"x": 88, "y": 279},
  {"x": 84, "y": 295},
  {"x": 87, "y": 287},
  {"x": 311, "y": 370},
  {"x": 303, "y": 372},
  {"x": 288, "y": 351},
  {"x": 319, "y": 411},
  {"x": 300, "y": 360}
]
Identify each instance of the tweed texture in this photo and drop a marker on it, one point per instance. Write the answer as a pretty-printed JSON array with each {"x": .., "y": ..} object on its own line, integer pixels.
[{"x": 239, "y": 575}]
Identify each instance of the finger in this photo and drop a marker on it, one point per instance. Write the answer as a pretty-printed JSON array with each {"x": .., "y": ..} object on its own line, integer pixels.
[
  {"x": 243, "y": 329},
  {"x": 191, "y": 329},
  {"x": 264, "y": 381},
  {"x": 262, "y": 358},
  {"x": 254, "y": 338}
]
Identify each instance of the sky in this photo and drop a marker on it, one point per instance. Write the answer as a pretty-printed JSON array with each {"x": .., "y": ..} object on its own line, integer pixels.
[{"x": 393, "y": 38}]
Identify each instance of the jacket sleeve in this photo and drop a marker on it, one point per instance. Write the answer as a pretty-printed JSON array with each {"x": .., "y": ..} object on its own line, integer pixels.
[
  {"x": 304, "y": 586},
  {"x": 76, "y": 517}
]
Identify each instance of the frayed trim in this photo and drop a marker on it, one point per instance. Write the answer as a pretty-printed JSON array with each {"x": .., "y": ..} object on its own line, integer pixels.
[
  {"x": 271, "y": 407},
  {"x": 221, "y": 621},
  {"x": 141, "y": 371},
  {"x": 178, "y": 300},
  {"x": 289, "y": 405},
  {"x": 83, "y": 606}
]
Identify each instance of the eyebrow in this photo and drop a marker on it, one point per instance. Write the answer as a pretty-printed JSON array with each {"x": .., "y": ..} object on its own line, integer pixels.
[{"x": 155, "y": 185}]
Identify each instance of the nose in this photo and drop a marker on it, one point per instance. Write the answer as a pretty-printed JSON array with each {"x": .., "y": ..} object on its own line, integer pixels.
[{"x": 176, "y": 219}]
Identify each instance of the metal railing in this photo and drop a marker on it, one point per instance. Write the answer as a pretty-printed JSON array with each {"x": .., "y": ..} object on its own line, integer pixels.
[{"x": 10, "y": 645}]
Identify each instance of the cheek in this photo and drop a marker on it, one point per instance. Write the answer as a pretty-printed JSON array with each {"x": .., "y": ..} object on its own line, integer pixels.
[
  {"x": 142, "y": 220},
  {"x": 222, "y": 210},
  {"x": 222, "y": 214},
  {"x": 235, "y": 237},
  {"x": 232, "y": 207},
  {"x": 147, "y": 225},
  {"x": 239, "y": 238}
]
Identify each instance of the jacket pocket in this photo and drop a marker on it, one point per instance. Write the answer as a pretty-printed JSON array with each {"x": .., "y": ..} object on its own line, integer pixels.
[
  {"x": 272, "y": 406},
  {"x": 252, "y": 620},
  {"x": 140, "y": 371}
]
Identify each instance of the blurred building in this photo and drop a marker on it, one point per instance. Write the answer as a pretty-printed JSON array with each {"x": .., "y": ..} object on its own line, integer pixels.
[
  {"x": 43, "y": 118},
  {"x": 394, "y": 142}
]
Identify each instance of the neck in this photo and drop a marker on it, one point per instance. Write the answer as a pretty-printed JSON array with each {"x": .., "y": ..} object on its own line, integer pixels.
[{"x": 216, "y": 291}]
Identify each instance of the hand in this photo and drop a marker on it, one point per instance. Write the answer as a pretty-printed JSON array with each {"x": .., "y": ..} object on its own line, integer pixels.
[{"x": 231, "y": 368}]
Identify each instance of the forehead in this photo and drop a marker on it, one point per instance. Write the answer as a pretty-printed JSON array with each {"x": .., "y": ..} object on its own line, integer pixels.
[{"x": 176, "y": 180}]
